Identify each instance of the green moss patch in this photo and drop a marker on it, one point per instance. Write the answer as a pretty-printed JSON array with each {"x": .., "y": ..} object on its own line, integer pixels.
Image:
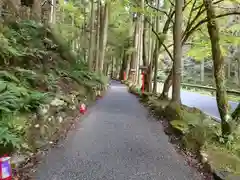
[
  {"x": 220, "y": 158},
  {"x": 198, "y": 132}
]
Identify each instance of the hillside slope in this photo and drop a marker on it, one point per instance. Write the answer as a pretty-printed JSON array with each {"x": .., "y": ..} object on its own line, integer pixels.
[{"x": 42, "y": 82}]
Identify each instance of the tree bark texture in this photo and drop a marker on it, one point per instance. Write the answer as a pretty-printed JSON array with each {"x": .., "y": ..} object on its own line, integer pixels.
[
  {"x": 145, "y": 58},
  {"x": 167, "y": 85},
  {"x": 103, "y": 41},
  {"x": 162, "y": 39},
  {"x": 156, "y": 51},
  {"x": 123, "y": 66},
  {"x": 219, "y": 69},
  {"x": 177, "y": 38},
  {"x": 91, "y": 43},
  {"x": 132, "y": 69},
  {"x": 98, "y": 26},
  {"x": 236, "y": 113},
  {"x": 37, "y": 10}
]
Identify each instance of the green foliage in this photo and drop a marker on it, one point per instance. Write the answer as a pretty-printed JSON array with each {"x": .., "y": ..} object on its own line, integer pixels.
[
  {"x": 161, "y": 75},
  {"x": 33, "y": 59},
  {"x": 197, "y": 129},
  {"x": 72, "y": 17},
  {"x": 199, "y": 39},
  {"x": 21, "y": 40},
  {"x": 90, "y": 80},
  {"x": 200, "y": 131},
  {"x": 9, "y": 135},
  {"x": 34, "y": 100},
  {"x": 8, "y": 139},
  {"x": 118, "y": 31},
  {"x": 8, "y": 77},
  {"x": 182, "y": 126},
  {"x": 15, "y": 98},
  {"x": 221, "y": 158}
]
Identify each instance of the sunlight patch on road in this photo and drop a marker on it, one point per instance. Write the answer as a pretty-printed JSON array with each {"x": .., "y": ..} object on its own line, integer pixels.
[{"x": 117, "y": 87}]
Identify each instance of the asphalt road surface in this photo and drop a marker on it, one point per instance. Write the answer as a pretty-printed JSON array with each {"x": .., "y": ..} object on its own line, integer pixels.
[
  {"x": 117, "y": 140},
  {"x": 205, "y": 103}
]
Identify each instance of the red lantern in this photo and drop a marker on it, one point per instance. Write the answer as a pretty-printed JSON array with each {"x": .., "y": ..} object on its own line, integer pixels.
[
  {"x": 82, "y": 108},
  {"x": 5, "y": 168}
]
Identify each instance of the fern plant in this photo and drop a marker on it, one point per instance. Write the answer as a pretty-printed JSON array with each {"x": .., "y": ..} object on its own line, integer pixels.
[
  {"x": 34, "y": 100},
  {"x": 9, "y": 137}
]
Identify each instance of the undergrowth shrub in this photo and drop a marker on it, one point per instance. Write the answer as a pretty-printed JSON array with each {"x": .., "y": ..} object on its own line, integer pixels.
[
  {"x": 14, "y": 99},
  {"x": 10, "y": 133},
  {"x": 23, "y": 39},
  {"x": 202, "y": 132},
  {"x": 32, "y": 62}
]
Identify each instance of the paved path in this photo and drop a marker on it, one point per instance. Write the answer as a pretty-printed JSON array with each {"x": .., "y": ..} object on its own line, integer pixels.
[{"x": 116, "y": 141}]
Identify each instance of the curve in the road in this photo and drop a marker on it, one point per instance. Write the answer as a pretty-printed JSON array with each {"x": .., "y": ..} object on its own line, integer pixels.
[
  {"x": 205, "y": 103},
  {"x": 116, "y": 141}
]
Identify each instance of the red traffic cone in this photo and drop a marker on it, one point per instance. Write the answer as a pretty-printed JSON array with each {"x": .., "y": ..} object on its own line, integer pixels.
[
  {"x": 82, "y": 108},
  {"x": 5, "y": 168}
]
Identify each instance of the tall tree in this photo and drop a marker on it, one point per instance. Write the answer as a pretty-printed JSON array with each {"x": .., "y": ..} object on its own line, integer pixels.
[
  {"x": 91, "y": 43},
  {"x": 53, "y": 11},
  {"x": 140, "y": 42},
  {"x": 177, "y": 39},
  {"x": 98, "y": 26},
  {"x": 219, "y": 69},
  {"x": 103, "y": 35},
  {"x": 37, "y": 10},
  {"x": 157, "y": 49},
  {"x": 133, "y": 63}
]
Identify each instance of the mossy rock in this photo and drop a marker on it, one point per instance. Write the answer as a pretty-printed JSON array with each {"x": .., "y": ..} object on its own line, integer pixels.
[
  {"x": 221, "y": 159},
  {"x": 191, "y": 143},
  {"x": 131, "y": 88},
  {"x": 134, "y": 89},
  {"x": 128, "y": 83},
  {"x": 123, "y": 81},
  {"x": 180, "y": 125},
  {"x": 158, "y": 106},
  {"x": 173, "y": 111},
  {"x": 145, "y": 97},
  {"x": 155, "y": 104}
]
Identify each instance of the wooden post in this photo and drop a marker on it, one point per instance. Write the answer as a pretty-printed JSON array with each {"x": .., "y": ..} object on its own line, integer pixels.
[{"x": 142, "y": 82}]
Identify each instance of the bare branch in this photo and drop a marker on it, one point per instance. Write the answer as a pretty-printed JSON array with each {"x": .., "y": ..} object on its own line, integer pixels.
[
  {"x": 213, "y": 3},
  {"x": 165, "y": 12},
  {"x": 161, "y": 42},
  {"x": 171, "y": 2},
  {"x": 159, "y": 10},
  {"x": 191, "y": 12},
  {"x": 190, "y": 32},
  {"x": 190, "y": 24},
  {"x": 167, "y": 46}
]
